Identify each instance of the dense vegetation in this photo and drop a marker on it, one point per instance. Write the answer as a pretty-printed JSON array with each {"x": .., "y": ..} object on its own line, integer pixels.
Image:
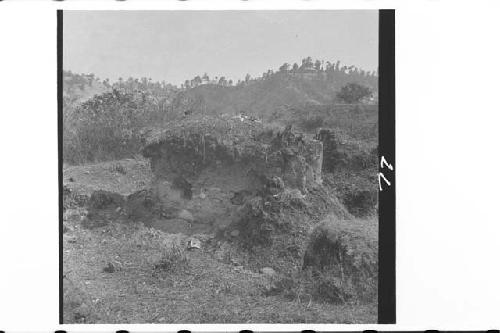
[{"x": 104, "y": 120}]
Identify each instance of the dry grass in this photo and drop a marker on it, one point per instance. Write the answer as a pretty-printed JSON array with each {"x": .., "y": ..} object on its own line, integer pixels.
[
  {"x": 157, "y": 282},
  {"x": 208, "y": 291}
]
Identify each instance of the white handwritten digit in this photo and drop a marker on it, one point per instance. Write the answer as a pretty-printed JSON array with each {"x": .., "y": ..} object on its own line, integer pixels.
[
  {"x": 381, "y": 175},
  {"x": 384, "y": 161}
]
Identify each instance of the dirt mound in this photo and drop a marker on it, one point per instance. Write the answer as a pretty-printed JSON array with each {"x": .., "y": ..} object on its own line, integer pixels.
[
  {"x": 212, "y": 165},
  {"x": 344, "y": 257}
]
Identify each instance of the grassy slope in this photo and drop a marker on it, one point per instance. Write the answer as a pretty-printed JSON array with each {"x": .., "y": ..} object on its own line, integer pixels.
[
  {"x": 263, "y": 97},
  {"x": 208, "y": 291}
]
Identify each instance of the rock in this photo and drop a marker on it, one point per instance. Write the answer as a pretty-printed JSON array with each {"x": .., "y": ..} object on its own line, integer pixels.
[
  {"x": 268, "y": 271},
  {"x": 186, "y": 215},
  {"x": 110, "y": 268},
  {"x": 235, "y": 233},
  {"x": 193, "y": 243}
]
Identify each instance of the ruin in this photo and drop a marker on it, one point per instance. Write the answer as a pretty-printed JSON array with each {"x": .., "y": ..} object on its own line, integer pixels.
[{"x": 210, "y": 166}]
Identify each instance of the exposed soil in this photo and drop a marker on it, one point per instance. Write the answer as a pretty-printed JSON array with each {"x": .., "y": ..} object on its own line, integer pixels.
[{"x": 111, "y": 269}]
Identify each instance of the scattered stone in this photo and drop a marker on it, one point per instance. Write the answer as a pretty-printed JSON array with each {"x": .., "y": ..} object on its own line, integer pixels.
[
  {"x": 268, "y": 271},
  {"x": 235, "y": 233},
  {"x": 193, "y": 243}
]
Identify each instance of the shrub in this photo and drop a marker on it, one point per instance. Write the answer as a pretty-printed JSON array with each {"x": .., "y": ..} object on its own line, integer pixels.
[
  {"x": 255, "y": 224},
  {"x": 117, "y": 167},
  {"x": 353, "y": 93},
  {"x": 173, "y": 259},
  {"x": 343, "y": 257},
  {"x": 106, "y": 127},
  {"x": 360, "y": 202}
]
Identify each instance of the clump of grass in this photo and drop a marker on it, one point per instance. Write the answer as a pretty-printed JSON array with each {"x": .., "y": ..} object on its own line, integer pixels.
[
  {"x": 173, "y": 259},
  {"x": 314, "y": 285},
  {"x": 117, "y": 167},
  {"x": 343, "y": 257}
]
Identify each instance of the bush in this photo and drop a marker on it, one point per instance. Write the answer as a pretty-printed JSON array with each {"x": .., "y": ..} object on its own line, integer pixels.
[
  {"x": 117, "y": 167},
  {"x": 343, "y": 258},
  {"x": 106, "y": 127},
  {"x": 353, "y": 93},
  {"x": 173, "y": 259},
  {"x": 360, "y": 202}
]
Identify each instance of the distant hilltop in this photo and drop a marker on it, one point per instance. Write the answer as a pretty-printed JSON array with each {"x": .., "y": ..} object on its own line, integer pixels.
[{"x": 267, "y": 97}]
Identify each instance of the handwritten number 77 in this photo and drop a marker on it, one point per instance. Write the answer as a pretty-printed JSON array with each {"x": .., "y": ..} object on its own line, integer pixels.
[{"x": 383, "y": 162}]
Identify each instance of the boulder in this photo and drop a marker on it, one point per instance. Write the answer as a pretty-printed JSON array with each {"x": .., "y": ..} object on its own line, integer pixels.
[{"x": 193, "y": 243}]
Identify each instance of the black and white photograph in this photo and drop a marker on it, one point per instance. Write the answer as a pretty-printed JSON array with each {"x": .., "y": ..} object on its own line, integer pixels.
[
  {"x": 221, "y": 166},
  {"x": 249, "y": 166}
]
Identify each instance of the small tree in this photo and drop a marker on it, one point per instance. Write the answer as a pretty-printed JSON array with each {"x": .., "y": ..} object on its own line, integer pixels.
[
  {"x": 222, "y": 81},
  {"x": 317, "y": 65},
  {"x": 353, "y": 93},
  {"x": 285, "y": 67},
  {"x": 197, "y": 80}
]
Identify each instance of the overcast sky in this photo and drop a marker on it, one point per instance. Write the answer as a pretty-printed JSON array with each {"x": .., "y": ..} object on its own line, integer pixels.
[{"x": 178, "y": 45}]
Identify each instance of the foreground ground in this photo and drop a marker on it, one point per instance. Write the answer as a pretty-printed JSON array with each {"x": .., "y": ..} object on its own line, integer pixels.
[{"x": 112, "y": 274}]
